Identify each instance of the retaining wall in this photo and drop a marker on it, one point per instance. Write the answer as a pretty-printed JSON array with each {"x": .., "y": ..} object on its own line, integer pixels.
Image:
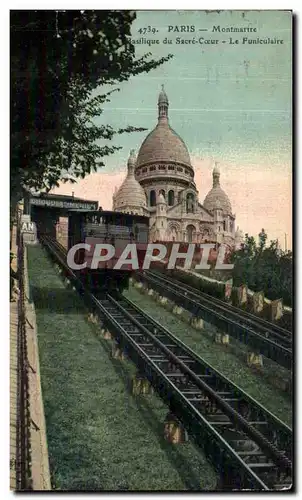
[{"x": 39, "y": 449}]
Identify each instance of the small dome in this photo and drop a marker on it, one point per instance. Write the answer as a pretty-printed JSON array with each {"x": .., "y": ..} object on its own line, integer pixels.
[
  {"x": 217, "y": 198},
  {"x": 131, "y": 192}
]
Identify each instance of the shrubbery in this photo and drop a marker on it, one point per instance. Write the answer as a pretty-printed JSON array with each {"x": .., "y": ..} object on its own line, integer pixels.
[
  {"x": 215, "y": 289},
  {"x": 262, "y": 268}
]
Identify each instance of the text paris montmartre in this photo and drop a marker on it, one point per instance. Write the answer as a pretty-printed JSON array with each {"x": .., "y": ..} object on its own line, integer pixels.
[{"x": 234, "y": 35}]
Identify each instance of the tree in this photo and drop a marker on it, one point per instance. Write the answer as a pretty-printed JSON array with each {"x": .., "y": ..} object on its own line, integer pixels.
[
  {"x": 58, "y": 59},
  {"x": 263, "y": 268}
]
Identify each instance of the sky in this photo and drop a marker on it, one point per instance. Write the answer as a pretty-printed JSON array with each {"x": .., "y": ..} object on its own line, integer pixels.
[{"x": 230, "y": 102}]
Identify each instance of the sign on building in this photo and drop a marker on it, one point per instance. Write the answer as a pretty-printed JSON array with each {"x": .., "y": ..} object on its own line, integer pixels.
[
  {"x": 27, "y": 227},
  {"x": 28, "y": 230},
  {"x": 44, "y": 202}
]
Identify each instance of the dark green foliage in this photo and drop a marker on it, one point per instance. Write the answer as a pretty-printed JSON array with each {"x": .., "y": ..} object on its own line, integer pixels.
[
  {"x": 58, "y": 60},
  {"x": 263, "y": 268},
  {"x": 211, "y": 288}
]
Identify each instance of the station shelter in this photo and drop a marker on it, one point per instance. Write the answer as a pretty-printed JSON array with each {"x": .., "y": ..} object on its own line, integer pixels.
[{"x": 49, "y": 212}]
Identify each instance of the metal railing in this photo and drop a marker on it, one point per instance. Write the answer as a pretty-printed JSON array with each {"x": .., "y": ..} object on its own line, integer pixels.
[{"x": 23, "y": 449}]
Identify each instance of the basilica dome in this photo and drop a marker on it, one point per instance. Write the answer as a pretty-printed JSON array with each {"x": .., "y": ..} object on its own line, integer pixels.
[
  {"x": 163, "y": 143},
  {"x": 131, "y": 193},
  {"x": 217, "y": 198}
]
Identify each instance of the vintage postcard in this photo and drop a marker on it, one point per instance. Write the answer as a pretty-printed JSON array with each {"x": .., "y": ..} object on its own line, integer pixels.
[{"x": 151, "y": 251}]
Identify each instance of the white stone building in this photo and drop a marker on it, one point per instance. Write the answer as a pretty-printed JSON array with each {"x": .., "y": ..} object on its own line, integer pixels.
[{"x": 160, "y": 184}]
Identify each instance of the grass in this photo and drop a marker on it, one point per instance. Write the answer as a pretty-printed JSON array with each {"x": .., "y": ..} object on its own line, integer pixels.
[
  {"x": 99, "y": 436},
  {"x": 226, "y": 362}
]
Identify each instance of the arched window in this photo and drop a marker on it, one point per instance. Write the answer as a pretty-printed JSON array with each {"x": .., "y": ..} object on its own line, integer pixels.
[
  {"x": 173, "y": 233},
  {"x": 171, "y": 198},
  {"x": 190, "y": 203},
  {"x": 224, "y": 225},
  {"x": 152, "y": 198},
  {"x": 190, "y": 230}
]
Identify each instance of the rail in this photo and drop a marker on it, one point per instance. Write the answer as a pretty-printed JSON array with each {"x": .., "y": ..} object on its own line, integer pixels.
[
  {"x": 216, "y": 413},
  {"x": 250, "y": 319},
  {"x": 266, "y": 343}
]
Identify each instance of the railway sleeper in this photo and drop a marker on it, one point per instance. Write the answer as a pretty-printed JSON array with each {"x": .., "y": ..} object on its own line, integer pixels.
[
  {"x": 198, "y": 391},
  {"x": 246, "y": 454},
  {"x": 265, "y": 466}
]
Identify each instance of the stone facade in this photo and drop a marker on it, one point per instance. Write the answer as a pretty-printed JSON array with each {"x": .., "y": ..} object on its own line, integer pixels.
[{"x": 160, "y": 183}]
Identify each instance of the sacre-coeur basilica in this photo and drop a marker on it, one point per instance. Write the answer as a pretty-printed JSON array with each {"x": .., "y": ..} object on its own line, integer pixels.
[{"x": 160, "y": 184}]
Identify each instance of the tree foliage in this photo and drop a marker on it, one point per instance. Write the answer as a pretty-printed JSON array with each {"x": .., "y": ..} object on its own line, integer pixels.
[
  {"x": 264, "y": 268},
  {"x": 58, "y": 60}
]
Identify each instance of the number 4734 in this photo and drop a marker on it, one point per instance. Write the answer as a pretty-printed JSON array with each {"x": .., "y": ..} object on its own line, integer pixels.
[{"x": 147, "y": 29}]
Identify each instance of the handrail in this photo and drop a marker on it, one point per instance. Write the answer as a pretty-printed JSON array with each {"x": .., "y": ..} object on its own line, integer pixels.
[{"x": 23, "y": 465}]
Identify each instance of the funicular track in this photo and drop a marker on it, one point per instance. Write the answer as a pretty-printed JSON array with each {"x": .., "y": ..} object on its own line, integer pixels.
[
  {"x": 267, "y": 339},
  {"x": 247, "y": 445},
  {"x": 262, "y": 325}
]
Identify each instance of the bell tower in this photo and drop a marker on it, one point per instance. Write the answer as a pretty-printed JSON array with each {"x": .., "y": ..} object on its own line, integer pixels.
[{"x": 163, "y": 106}]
